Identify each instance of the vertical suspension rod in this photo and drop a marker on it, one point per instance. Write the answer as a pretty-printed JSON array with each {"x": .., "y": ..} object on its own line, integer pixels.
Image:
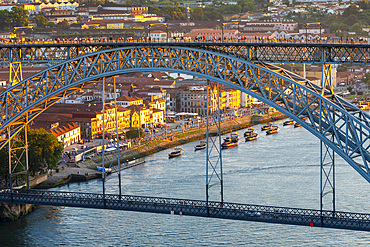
[
  {"x": 219, "y": 141},
  {"x": 207, "y": 154},
  {"x": 10, "y": 160},
  {"x": 103, "y": 136},
  {"x": 118, "y": 158}
]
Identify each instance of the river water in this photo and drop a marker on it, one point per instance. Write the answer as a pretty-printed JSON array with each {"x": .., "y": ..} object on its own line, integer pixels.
[{"x": 280, "y": 170}]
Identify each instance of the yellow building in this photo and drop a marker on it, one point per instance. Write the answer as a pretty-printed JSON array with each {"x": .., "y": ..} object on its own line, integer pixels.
[
  {"x": 123, "y": 116},
  {"x": 126, "y": 101},
  {"x": 68, "y": 135},
  {"x": 140, "y": 116},
  {"x": 232, "y": 98},
  {"x": 158, "y": 104},
  {"x": 116, "y": 25},
  {"x": 157, "y": 117}
]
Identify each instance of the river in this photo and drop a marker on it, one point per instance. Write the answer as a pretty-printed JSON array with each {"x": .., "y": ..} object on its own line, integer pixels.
[{"x": 279, "y": 170}]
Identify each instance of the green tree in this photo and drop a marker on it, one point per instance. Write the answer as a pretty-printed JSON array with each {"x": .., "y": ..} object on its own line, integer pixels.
[
  {"x": 197, "y": 14},
  {"x": 44, "y": 150},
  {"x": 41, "y": 21},
  {"x": 19, "y": 17},
  {"x": 351, "y": 10},
  {"x": 350, "y": 20},
  {"x": 5, "y": 20},
  {"x": 246, "y": 5},
  {"x": 63, "y": 24},
  {"x": 134, "y": 133},
  {"x": 366, "y": 78},
  {"x": 50, "y": 24}
]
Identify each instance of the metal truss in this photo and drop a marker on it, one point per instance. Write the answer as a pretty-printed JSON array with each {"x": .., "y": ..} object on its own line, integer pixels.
[
  {"x": 316, "y": 53},
  {"x": 214, "y": 209},
  {"x": 290, "y": 94},
  {"x": 214, "y": 175}
]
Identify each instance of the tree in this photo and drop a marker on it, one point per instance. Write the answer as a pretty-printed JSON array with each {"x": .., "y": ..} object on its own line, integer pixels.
[
  {"x": 246, "y": 5},
  {"x": 50, "y": 24},
  {"x": 351, "y": 10},
  {"x": 5, "y": 20},
  {"x": 134, "y": 133},
  {"x": 350, "y": 20},
  {"x": 44, "y": 150},
  {"x": 63, "y": 24},
  {"x": 197, "y": 14},
  {"x": 19, "y": 17},
  {"x": 41, "y": 21}
]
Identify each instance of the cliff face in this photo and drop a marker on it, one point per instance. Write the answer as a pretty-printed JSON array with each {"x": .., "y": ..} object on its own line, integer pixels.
[{"x": 10, "y": 211}]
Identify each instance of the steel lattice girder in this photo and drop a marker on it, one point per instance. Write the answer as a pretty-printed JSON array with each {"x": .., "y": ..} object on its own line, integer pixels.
[
  {"x": 290, "y": 94},
  {"x": 226, "y": 210},
  {"x": 317, "y": 53}
]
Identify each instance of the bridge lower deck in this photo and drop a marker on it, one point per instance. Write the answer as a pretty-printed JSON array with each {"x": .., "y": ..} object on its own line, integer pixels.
[{"x": 226, "y": 210}]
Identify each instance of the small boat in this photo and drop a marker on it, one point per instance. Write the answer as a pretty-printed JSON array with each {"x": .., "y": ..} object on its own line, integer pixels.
[
  {"x": 288, "y": 122},
  {"x": 226, "y": 145},
  {"x": 251, "y": 137},
  {"x": 296, "y": 125},
  {"x": 273, "y": 130},
  {"x": 249, "y": 132},
  {"x": 266, "y": 127},
  {"x": 202, "y": 145},
  {"x": 234, "y": 137},
  {"x": 304, "y": 118},
  {"x": 177, "y": 152}
]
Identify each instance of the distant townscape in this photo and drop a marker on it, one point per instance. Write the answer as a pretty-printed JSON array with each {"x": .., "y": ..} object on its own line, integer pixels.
[{"x": 151, "y": 100}]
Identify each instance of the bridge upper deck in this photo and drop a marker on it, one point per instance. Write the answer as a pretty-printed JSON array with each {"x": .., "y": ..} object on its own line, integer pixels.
[{"x": 277, "y": 52}]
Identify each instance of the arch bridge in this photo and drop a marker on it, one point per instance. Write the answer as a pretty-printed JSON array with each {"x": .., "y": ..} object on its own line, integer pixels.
[{"x": 339, "y": 125}]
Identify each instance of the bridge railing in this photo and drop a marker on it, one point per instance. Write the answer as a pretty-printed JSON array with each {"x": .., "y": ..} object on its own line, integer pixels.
[
  {"x": 78, "y": 197},
  {"x": 201, "y": 40}
]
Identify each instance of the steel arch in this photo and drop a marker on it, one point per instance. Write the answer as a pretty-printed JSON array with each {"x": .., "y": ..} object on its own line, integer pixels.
[{"x": 287, "y": 92}]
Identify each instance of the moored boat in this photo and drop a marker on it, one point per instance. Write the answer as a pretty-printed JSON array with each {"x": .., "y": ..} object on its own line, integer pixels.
[
  {"x": 177, "y": 152},
  {"x": 296, "y": 125},
  {"x": 249, "y": 132},
  {"x": 273, "y": 130},
  {"x": 234, "y": 137},
  {"x": 226, "y": 145},
  {"x": 266, "y": 127},
  {"x": 288, "y": 122},
  {"x": 251, "y": 137},
  {"x": 202, "y": 145}
]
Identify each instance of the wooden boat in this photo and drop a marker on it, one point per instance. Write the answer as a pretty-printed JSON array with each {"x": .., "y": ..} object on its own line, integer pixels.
[
  {"x": 266, "y": 127},
  {"x": 249, "y": 132},
  {"x": 251, "y": 137},
  {"x": 177, "y": 152},
  {"x": 226, "y": 145},
  {"x": 288, "y": 122},
  {"x": 202, "y": 145},
  {"x": 273, "y": 130},
  {"x": 232, "y": 138},
  {"x": 296, "y": 125}
]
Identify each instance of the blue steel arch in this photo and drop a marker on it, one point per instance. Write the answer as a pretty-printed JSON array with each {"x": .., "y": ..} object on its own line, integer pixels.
[{"x": 340, "y": 125}]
